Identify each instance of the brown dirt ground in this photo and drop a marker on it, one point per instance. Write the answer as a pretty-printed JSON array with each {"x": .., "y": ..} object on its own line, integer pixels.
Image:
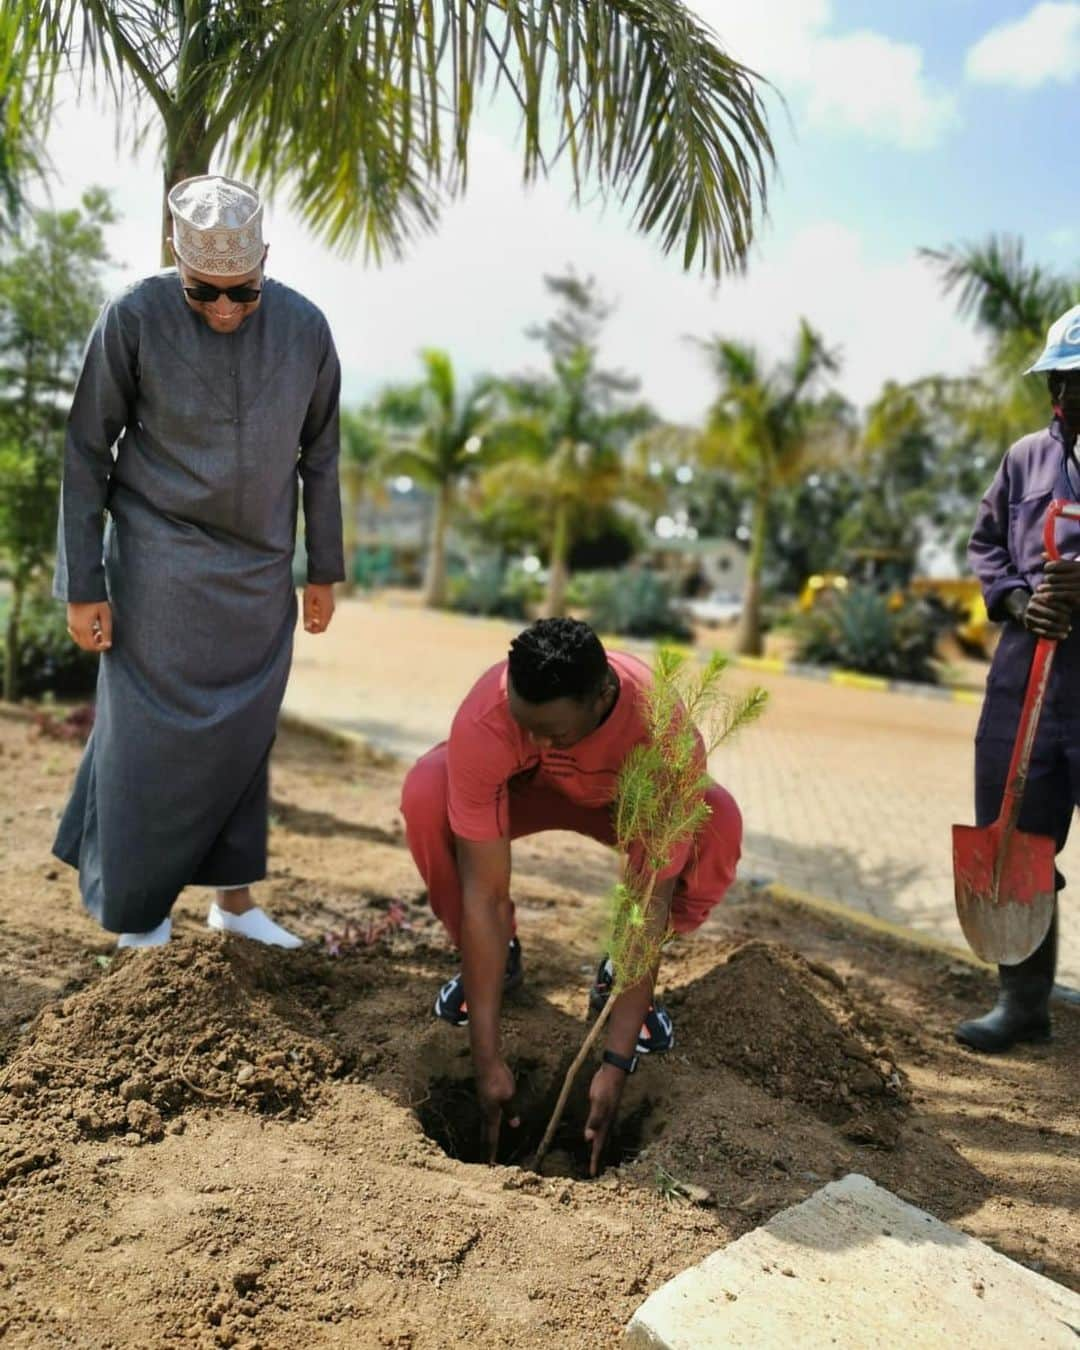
[{"x": 222, "y": 1145}]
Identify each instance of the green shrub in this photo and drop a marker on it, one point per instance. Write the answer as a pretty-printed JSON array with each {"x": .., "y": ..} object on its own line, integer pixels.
[
  {"x": 861, "y": 629},
  {"x": 492, "y": 588},
  {"x": 49, "y": 662},
  {"x": 635, "y": 602}
]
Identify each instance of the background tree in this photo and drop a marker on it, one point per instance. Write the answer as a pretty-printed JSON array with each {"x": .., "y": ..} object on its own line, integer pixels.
[
  {"x": 569, "y": 431},
  {"x": 364, "y": 111},
  {"x": 922, "y": 466},
  {"x": 767, "y": 426},
  {"x": 365, "y": 448},
  {"x": 50, "y": 292},
  {"x": 441, "y": 441}
]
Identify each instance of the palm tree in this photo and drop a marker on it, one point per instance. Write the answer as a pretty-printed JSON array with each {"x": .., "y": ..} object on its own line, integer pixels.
[
  {"x": 1013, "y": 302},
  {"x": 364, "y": 450},
  {"x": 568, "y": 430},
  {"x": 441, "y": 443},
  {"x": 364, "y": 110},
  {"x": 766, "y": 426},
  {"x": 562, "y": 457}
]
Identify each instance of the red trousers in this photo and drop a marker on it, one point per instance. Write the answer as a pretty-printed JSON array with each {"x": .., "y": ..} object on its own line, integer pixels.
[{"x": 703, "y": 882}]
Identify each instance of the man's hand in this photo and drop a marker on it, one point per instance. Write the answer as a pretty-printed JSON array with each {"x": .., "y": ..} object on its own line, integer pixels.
[
  {"x": 318, "y": 607},
  {"x": 495, "y": 1088},
  {"x": 1061, "y": 583},
  {"x": 1047, "y": 615},
  {"x": 90, "y": 626},
  {"x": 605, "y": 1093}
]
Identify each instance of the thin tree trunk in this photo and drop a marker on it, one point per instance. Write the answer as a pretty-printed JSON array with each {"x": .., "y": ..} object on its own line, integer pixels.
[
  {"x": 568, "y": 1082},
  {"x": 186, "y": 155},
  {"x": 748, "y": 633},
  {"x": 11, "y": 644},
  {"x": 435, "y": 581},
  {"x": 352, "y": 488},
  {"x": 559, "y": 570}
]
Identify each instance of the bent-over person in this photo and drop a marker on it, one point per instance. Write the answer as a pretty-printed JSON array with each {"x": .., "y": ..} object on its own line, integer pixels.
[{"x": 538, "y": 744}]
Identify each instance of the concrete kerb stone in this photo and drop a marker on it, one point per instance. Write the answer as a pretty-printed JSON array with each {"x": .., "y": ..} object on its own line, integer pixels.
[
  {"x": 347, "y": 741},
  {"x": 856, "y": 1268}
]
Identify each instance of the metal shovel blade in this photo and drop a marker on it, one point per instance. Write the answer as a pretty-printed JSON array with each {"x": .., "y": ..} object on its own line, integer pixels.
[{"x": 1004, "y": 890}]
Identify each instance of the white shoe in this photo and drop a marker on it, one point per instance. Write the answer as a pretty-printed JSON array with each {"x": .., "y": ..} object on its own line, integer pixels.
[
  {"x": 253, "y": 923},
  {"x": 157, "y": 937}
]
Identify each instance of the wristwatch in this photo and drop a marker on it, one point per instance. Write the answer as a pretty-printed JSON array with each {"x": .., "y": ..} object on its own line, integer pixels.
[{"x": 628, "y": 1066}]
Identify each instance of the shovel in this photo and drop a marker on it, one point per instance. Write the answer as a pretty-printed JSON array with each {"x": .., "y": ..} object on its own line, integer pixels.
[{"x": 1004, "y": 877}]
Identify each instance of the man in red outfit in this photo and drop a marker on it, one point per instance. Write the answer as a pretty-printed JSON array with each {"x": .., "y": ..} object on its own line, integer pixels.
[{"x": 537, "y": 745}]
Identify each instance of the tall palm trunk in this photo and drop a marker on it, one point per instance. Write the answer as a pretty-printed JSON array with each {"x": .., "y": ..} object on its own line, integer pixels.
[
  {"x": 435, "y": 580},
  {"x": 187, "y": 154},
  {"x": 11, "y": 643},
  {"x": 559, "y": 568},
  {"x": 748, "y": 633}
]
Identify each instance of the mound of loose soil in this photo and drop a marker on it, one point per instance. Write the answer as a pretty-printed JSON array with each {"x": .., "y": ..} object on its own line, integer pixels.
[
  {"x": 793, "y": 1028},
  {"x": 229, "y": 1023}
]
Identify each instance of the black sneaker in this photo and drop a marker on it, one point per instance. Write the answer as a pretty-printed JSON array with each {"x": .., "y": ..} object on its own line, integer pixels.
[
  {"x": 450, "y": 1003},
  {"x": 657, "y": 1033}
]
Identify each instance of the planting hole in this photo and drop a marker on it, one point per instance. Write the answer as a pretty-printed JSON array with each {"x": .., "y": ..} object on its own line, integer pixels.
[{"x": 450, "y": 1115}]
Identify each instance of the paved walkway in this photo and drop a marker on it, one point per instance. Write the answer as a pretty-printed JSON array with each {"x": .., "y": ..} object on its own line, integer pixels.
[{"x": 845, "y": 793}]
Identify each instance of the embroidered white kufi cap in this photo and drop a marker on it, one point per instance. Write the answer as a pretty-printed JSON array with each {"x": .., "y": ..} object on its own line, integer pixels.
[{"x": 217, "y": 225}]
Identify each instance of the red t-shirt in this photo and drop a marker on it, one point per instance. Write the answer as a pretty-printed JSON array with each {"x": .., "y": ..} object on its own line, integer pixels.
[{"x": 487, "y": 749}]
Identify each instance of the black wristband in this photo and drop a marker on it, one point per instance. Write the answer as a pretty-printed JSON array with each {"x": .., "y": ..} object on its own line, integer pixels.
[{"x": 620, "y": 1061}]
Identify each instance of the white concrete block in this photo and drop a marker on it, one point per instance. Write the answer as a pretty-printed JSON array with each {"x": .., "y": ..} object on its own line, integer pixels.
[{"x": 856, "y": 1268}]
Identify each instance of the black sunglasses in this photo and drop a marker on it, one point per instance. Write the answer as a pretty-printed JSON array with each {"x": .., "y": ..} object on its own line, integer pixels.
[{"x": 205, "y": 294}]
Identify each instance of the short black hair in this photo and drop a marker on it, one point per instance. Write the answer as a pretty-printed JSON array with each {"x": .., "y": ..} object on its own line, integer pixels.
[{"x": 557, "y": 658}]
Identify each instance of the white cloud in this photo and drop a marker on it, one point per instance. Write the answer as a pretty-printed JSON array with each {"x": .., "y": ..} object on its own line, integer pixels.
[
  {"x": 1042, "y": 46},
  {"x": 860, "y": 82}
]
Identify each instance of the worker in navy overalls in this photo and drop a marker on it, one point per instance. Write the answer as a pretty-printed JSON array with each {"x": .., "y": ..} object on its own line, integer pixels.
[{"x": 1033, "y": 598}]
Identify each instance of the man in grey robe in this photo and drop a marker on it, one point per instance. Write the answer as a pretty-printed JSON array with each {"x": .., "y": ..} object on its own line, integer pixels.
[{"x": 208, "y": 394}]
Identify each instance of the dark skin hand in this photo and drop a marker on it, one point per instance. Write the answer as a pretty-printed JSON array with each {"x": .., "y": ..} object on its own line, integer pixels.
[
  {"x": 1044, "y": 613},
  {"x": 485, "y": 934},
  {"x": 1061, "y": 583},
  {"x": 606, "y": 1088}
]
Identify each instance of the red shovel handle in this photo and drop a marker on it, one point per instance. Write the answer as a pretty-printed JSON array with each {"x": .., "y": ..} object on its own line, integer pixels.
[
  {"x": 1057, "y": 508},
  {"x": 1038, "y": 680}
]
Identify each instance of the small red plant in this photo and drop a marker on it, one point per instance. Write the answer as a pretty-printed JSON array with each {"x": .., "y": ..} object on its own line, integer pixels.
[
  {"x": 75, "y": 727},
  {"x": 355, "y": 936}
]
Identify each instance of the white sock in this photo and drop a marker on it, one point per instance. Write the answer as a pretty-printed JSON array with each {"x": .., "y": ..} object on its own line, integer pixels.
[
  {"x": 157, "y": 937},
  {"x": 255, "y": 924}
]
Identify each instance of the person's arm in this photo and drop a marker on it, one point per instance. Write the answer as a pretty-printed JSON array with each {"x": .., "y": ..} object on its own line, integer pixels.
[
  {"x": 100, "y": 410},
  {"x": 1006, "y": 592},
  {"x": 624, "y": 1025},
  {"x": 320, "y": 445},
  {"x": 485, "y": 935}
]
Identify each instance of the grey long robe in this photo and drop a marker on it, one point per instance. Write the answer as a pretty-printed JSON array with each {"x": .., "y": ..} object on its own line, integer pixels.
[{"x": 214, "y": 432}]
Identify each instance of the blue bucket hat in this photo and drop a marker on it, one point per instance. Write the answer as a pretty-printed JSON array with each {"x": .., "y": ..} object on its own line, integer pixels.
[{"x": 1062, "y": 350}]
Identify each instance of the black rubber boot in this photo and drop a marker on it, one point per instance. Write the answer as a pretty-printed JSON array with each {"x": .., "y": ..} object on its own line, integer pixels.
[{"x": 1022, "y": 1012}]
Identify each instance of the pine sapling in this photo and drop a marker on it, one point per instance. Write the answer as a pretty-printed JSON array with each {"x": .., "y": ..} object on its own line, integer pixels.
[{"x": 659, "y": 806}]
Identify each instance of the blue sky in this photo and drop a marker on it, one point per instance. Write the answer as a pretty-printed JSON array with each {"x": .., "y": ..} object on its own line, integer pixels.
[
  {"x": 992, "y": 155},
  {"x": 920, "y": 123}
]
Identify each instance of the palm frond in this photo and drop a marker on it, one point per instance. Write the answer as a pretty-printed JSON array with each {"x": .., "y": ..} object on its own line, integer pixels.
[
  {"x": 997, "y": 287},
  {"x": 362, "y": 111}
]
